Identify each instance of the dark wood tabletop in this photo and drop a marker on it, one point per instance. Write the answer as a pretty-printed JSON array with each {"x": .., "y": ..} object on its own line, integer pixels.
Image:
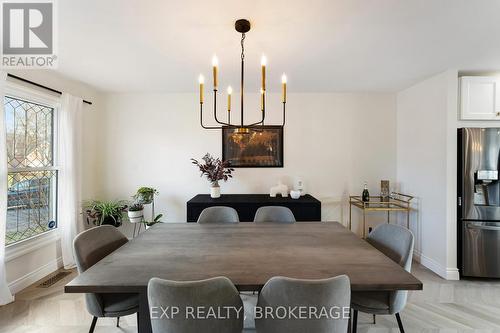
[{"x": 247, "y": 253}]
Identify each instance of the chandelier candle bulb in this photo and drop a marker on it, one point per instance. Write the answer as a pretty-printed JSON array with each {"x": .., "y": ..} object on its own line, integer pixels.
[
  {"x": 215, "y": 64},
  {"x": 283, "y": 88},
  {"x": 229, "y": 92},
  {"x": 263, "y": 63},
  {"x": 201, "y": 80}
]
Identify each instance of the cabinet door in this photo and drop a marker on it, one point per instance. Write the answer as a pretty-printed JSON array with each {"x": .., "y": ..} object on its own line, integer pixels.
[{"x": 479, "y": 98}]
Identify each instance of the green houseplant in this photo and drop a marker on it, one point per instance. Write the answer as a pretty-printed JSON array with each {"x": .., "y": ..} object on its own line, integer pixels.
[
  {"x": 135, "y": 212},
  {"x": 101, "y": 212},
  {"x": 145, "y": 195}
]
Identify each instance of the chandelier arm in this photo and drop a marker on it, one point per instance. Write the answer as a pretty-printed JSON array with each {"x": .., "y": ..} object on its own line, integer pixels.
[
  {"x": 263, "y": 109},
  {"x": 215, "y": 111},
  {"x": 284, "y": 113},
  {"x": 257, "y": 123},
  {"x": 201, "y": 120}
]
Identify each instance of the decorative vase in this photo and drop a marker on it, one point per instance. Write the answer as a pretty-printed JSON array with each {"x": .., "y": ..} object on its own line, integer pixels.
[
  {"x": 135, "y": 216},
  {"x": 215, "y": 191}
]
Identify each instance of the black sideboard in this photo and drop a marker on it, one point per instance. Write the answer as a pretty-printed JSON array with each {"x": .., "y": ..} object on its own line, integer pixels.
[{"x": 306, "y": 208}]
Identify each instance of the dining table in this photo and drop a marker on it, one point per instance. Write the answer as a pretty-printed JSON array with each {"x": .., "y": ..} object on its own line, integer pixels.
[{"x": 249, "y": 254}]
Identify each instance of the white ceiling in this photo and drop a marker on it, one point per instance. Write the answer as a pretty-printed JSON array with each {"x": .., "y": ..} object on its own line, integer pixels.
[{"x": 322, "y": 45}]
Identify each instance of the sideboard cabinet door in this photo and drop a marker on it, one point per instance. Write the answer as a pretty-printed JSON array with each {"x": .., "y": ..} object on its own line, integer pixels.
[{"x": 479, "y": 98}]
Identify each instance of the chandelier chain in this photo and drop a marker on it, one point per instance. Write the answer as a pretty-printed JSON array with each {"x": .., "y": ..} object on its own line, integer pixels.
[{"x": 242, "y": 46}]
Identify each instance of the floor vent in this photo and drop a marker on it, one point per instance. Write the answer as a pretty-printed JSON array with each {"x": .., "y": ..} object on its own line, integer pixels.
[{"x": 53, "y": 279}]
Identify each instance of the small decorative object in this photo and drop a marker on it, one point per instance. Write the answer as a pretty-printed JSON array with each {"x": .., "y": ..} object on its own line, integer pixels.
[
  {"x": 214, "y": 169},
  {"x": 145, "y": 195},
  {"x": 384, "y": 190},
  {"x": 299, "y": 186},
  {"x": 260, "y": 147},
  {"x": 105, "y": 212},
  {"x": 280, "y": 188},
  {"x": 135, "y": 212},
  {"x": 366, "y": 195},
  {"x": 295, "y": 194}
]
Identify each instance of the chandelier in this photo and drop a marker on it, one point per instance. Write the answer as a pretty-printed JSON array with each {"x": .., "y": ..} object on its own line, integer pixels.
[{"x": 242, "y": 26}]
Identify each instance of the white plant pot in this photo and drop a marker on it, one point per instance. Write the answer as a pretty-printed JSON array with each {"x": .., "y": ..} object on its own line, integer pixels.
[
  {"x": 215, "y": 192},
  {"x": 135, "y": 216}
]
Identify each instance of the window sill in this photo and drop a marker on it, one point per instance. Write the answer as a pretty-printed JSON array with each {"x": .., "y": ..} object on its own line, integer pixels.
[{"x": 31, "y": 244}]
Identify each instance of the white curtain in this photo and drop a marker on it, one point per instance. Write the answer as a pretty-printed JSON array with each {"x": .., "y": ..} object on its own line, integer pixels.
[
  {"x": 69, "y": 180},
  {"x": 5, "y": 294}
]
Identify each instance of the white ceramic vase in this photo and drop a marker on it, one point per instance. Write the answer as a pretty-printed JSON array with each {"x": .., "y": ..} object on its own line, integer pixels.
[
  {"x": 215, "y": 192},
  {"x": 135, "y": 216}
]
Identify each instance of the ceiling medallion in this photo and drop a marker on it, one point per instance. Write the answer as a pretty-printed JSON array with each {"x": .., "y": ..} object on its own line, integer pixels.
[{"x": 242, "y": 26}]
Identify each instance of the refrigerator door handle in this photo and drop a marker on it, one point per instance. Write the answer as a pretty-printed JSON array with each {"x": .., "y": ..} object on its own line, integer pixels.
[{"x": 483, "y": 227}]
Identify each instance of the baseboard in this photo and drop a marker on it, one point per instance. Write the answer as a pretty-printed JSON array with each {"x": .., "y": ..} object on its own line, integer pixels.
[
  {"x": 444, "y": 272},
  {"x": 38, "y": 274}
]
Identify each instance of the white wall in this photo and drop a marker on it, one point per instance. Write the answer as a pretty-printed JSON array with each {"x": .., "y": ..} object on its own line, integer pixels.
[
  {"x": 333, "y": 141},
  {"x": 426, "y": 157},
  {"x": 38, "y": 259}
]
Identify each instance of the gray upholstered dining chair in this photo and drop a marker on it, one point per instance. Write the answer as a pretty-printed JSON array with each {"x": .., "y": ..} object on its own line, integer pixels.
[
  {"x": 219, "y": 214},
  {"x": 215, "y": 293},
  {"x": 90, "y": 247},
  {"x": 274, "y": 214},
  {"x": 395, "y": 242},
  {"x": 333, "y": 295}
]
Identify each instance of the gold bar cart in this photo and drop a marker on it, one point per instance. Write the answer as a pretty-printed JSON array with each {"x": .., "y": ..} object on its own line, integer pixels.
[{"x": 396, "y": 202}]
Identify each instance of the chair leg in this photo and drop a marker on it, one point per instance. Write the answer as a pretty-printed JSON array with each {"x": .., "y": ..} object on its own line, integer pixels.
[
  {"x": 374, "y": 320},
  {"x": 355, "y": 321},
  {"x": 400, "y": 323},
  {"x": 92, "y": 326},
  {"x": 117, "y": 321}
]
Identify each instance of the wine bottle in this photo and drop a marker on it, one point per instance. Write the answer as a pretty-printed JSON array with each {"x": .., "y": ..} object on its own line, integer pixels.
[{"x": 366, "y": 195}]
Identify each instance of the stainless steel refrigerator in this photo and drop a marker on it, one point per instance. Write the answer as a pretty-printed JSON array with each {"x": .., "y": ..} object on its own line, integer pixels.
[{"x": 479, "y": 202}]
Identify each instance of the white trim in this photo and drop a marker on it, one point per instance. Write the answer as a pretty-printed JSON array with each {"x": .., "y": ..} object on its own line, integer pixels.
[
  {"x": 34, "y": 276},
  {"x": 32, "y": 244},
  {"x": 444, "y": 272},
  {"x": 35, "y": 95}
]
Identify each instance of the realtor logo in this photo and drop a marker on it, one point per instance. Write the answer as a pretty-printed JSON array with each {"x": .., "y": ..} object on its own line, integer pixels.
[{"x": 28, "y": 34}]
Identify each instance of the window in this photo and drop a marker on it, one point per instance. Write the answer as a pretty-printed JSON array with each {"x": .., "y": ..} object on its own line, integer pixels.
[{"x": 32, "y": 173}]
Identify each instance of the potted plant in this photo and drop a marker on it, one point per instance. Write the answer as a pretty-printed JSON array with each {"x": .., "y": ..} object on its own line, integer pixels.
[
  {"x": 145, "y": 195},
  {"x": 155, "y": 220},
  {"x": 105, "y": 212},
  {"x": 135, "y": 212},
  {"x": 214, "y": 169}
]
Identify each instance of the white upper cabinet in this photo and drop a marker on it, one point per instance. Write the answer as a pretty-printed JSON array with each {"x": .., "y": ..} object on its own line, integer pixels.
[{"x": 479, "y": 98}]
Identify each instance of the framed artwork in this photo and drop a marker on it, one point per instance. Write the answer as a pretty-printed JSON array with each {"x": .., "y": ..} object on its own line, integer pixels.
[{"x": 260, "y": 147}]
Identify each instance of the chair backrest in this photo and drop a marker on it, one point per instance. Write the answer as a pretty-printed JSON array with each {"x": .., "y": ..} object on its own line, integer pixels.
[
  {"x": 219, "y": 214},
  {"x": 94, "y": 244},
  {"x": 274, "y": 214},
  {"x": 397, "y": 243},
  {"x": 321, "y": 306},
  {"x": 90, "y": 247},
  {"x": 216, "y": 294}
]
